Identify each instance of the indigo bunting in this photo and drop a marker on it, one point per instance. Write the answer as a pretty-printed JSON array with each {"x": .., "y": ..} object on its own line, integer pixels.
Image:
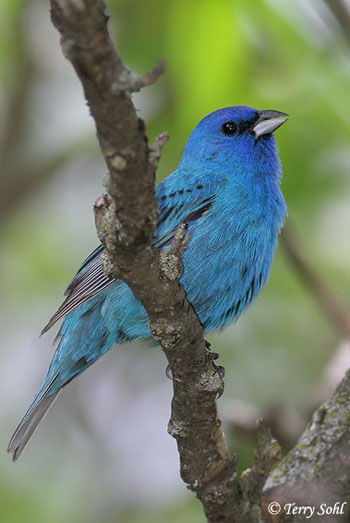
[{"x": 226, "y": 190}]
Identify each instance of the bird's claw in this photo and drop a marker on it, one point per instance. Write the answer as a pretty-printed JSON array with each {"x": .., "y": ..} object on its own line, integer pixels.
[
  {"x": 217, "y": 369},
  {"x": 168, "y": 372}
]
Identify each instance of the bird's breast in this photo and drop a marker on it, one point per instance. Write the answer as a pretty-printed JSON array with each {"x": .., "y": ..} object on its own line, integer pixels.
[{"x": 226, "y": 263}]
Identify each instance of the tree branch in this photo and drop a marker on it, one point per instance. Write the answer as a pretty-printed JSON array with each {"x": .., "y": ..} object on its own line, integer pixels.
[
  {"x": 126, "y": 221},
  {"x": 324, "y": 297},
  {"x": 340, "y": 11},
  {"x": 16, "y": 96},
  {"x": 19, "y": 182},
  {"x": 317, "y": 470}
]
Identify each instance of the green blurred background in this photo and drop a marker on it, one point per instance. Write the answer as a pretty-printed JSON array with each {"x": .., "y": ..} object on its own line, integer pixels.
[{"x": 103, "y": 453}]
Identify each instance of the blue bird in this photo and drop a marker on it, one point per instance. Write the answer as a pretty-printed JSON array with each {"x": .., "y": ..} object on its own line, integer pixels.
[{"x": 226, "y": 189}]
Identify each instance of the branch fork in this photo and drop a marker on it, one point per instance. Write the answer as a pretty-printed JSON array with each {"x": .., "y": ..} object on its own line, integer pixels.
[{"x": 126, "y": 220}]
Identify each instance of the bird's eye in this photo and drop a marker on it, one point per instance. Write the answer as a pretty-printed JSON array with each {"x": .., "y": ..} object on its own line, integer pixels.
[{"x": 229, "y": 128}]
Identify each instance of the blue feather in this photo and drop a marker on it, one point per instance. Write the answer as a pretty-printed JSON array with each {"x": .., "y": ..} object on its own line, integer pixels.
[{"x": 226, "y": 190}]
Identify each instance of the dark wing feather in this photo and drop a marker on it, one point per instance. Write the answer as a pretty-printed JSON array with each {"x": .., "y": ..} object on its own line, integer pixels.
[
  {"x": 90, "y": 279},
  {"x": 32, "y": 419},
  {"x": 187, "y": 216},
  {"x": 86, "y": 268}
]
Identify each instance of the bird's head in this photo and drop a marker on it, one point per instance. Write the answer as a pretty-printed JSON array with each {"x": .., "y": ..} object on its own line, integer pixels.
[{"x": 236, "y": 138}]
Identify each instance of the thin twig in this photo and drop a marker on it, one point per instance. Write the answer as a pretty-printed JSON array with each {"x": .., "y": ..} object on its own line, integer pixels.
[
  {"x": 324, "y": 297},
  {"x": 341, "y": 12},
  {"x": 20, "y": 182}
]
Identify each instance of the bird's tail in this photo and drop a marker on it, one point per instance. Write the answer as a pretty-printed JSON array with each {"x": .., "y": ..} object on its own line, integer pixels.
[{"x": 32, "y": 419}]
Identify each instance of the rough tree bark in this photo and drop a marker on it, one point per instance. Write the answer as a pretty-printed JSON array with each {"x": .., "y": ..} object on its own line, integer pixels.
[
  {"x": 126, "y": 219},
  {"x": 317, "y": 471}
]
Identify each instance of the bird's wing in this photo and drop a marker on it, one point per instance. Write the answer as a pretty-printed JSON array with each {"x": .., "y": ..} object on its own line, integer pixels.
[
  {"x": 88, "y": 282},
  {"x": 170, "y": 218},
  {"x": 90, "y": 278}
]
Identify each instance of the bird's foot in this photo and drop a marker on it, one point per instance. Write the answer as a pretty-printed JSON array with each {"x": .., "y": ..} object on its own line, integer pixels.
[
  {"x": 171, "y": 260},
  {"x": 217, "y": 369},
  {"x": 168, "y": 372}
]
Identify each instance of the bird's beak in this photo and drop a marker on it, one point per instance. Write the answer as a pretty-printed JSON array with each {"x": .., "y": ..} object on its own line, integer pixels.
[{"x": 268, "y": 122}]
